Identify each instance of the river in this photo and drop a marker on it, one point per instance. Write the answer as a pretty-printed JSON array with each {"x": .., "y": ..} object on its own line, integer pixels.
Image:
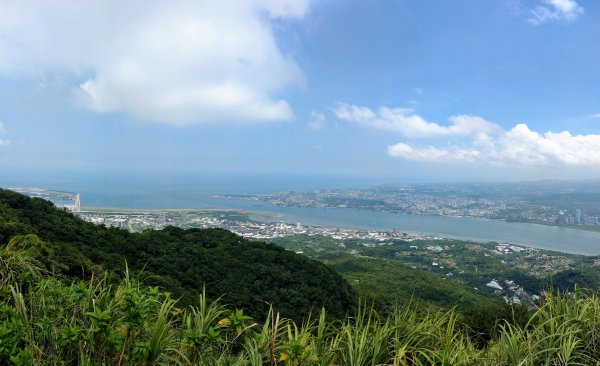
[
  {"x": 166, "y": 191},
  {"x": 533, "y": 235}
]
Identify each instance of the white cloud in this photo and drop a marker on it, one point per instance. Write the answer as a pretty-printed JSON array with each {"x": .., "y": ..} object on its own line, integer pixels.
[
  {"x": 409, "y": 124},
  {"x": 474, "y": 140},
  {"x": 317, "y": 121},
  {"x": 555, "y": 10},
  {"x": 432, "y": 154},
  {"x": 517, "y": 146},
  {"x": 179, "y": 62},
  {"x": 594, "y": 116}
]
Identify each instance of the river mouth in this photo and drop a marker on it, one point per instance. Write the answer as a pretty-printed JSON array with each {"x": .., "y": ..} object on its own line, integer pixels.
[{"x": 555, "y": 238}]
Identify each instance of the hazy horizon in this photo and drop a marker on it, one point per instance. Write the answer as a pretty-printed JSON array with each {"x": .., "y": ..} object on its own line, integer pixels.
[{"x": 124, "y": 182}]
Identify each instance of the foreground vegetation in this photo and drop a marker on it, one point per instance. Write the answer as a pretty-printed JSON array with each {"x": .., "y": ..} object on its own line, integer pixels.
[
  {"x": 44, "y": 320},
  {"x": 278, "y": 308}
]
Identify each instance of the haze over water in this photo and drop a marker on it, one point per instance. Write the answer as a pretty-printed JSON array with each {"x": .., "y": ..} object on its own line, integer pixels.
[{"x": 152, "y": 191}]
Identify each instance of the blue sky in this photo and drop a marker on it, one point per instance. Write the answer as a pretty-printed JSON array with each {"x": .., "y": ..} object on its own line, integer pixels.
[{"x": 402, "y": 90}]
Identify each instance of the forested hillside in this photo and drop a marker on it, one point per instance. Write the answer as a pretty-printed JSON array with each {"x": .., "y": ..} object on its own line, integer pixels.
[
  {"x": 248, "y": 274},
  {"x": 387, "y": 281},
  {"x": 47, "y": 321},
  {"x": 67, "y": 297}
]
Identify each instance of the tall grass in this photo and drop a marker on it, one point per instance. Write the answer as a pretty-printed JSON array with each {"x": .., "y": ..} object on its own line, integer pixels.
[
  {"x": 563, "y": 331},
  {"x": 45, "y": 321}
]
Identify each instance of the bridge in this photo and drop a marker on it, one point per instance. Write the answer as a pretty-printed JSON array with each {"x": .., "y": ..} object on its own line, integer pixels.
[{"x": 65, "y": 200}]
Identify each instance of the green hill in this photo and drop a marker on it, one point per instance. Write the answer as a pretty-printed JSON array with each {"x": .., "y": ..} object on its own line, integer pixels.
[
  {"x": 46, "y": 321},
  {"x": 387, "y": 281},
  {"x": 248, "y": 274},
  {"x": 49, "y": 316}
]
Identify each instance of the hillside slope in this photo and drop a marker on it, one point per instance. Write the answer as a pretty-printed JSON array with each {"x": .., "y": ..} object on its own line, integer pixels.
[{"x": 248, "y": 274}]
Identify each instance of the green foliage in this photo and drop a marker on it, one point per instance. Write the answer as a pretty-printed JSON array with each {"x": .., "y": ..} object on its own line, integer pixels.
[
  {"x": 377, "y": 275},
  {"x": 387, "y": 283},
  {"x": 249, "y": 275},
  {"x": 53, "y": 310},
  {"x": 44, "y": 320},
  {"x": 18, "y": 261},
  {"x": 96, "y": 322}
]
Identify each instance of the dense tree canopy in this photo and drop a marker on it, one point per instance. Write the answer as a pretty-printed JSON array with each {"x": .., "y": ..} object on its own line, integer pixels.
[{"x": 248, "y": 274}]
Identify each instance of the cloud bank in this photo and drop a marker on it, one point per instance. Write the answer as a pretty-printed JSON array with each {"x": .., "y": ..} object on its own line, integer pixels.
[
  {"x": 179, "y": 62},
  {"x": 473, "y": 140},
  {"x": 406, "y": 122}
]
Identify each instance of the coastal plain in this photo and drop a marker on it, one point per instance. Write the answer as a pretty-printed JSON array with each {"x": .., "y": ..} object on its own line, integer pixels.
[{"x": 379, "y": 264}]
